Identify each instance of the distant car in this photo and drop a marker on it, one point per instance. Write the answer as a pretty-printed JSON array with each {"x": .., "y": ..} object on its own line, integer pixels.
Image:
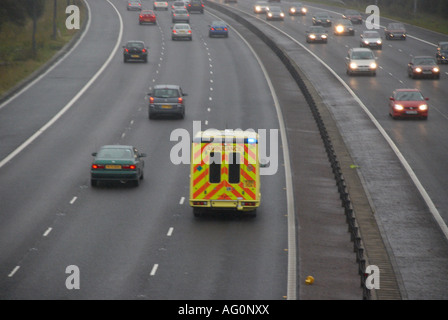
[
  {"x": 297, "y": 9},
  {"x": 196, "y": 6},
  {"x": 180, "y": 15},
  {"x": 261, "y": 7},
  {"x": 178, "y": 5},
  {"x": 166, "y": 99},
  {"x": 442, "y": 52},
  {"x": 354, "y": 16},
  {"x": 423, "y": 67},
  {"x": 218, "y": 28},
  {"x": 181, "y": 31},
  {"x": 134, "y": 5},
  {"x": 316, "y": 34},
  {"x": 135, "y": 50},
  {"x": 117, "y": 163},
  {"x": 147, "y": 16},
  {"x": 160, "y": 5},
  {"x": 275, "y": 13},
  {"x": 408, "y": 103},
  {"x": 360, "y": 61},
  {"x": 395, "y": 30},
  {"x": 343, "y": 27},
  {"x": 322, "y": 19},
  {"x": 371, "y": 39}
]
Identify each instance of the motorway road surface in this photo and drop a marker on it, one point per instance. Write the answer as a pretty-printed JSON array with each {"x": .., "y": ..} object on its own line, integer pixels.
[{"x": 144, "y": 243}]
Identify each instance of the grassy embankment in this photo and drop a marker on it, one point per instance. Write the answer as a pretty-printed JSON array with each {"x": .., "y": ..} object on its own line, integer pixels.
[
  {"x": 427, "y": 21},
  {"x": 16, "y": 56}
]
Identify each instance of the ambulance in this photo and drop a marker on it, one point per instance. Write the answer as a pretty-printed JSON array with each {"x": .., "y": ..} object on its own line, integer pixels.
[{"x": 225, "y": 172}]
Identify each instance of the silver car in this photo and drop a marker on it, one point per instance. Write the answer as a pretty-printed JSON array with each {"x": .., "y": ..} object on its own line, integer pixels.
[
  {"x": 181, "y": 31},
  {"x": 275, "y": 13},
  {"x": 371, "y": 39},
  {"x": 180, "y": 15},
  {"x": 361, "y": 61}
]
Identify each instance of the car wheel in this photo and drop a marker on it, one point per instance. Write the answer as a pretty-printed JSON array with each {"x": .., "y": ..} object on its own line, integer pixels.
[
  {"x": 93, "y": 182},
  {"x": 125, "y": 60},
  {"x": 136, "y": 183},
  {"x": 373, "y": 74},
  {"x": 198, "y": 212}
]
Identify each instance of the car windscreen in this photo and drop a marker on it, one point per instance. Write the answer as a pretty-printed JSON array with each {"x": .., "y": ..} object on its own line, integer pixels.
[
  {"x": 165, "y": 93},
  {"x": 115, "y": 153},
  {"x": 317, "y": 30},
  {"x": 409, "y": 96},
  {"x": 362, "y": 55},
  {"x": 424, "y": 61},
  {"x": 371, "y": 34}
]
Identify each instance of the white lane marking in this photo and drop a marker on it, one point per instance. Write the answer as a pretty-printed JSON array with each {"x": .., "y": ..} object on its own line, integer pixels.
[
  {"x": 182, "y": 199},
  {"x": 55, "y": 65},
  {"x": 154, "y": 270},
  {"x": 208, "y": 109},
  {"x": 206, "y": 122},
  {"x": 292, "y": 250},
  {"x": 73, "y": 200},
  {"x": 13, "y": 271},
  {"x": 72, "y": 102},
  {"x": 170, "y": 232},
  {"x": 47, "y": 232}
]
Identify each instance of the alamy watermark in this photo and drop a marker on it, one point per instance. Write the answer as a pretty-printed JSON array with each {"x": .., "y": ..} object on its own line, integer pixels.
[
  {"x": 181, "y": 151},
  {"x": 73, "y": 21},
  {"x": 373, "y": 20}
]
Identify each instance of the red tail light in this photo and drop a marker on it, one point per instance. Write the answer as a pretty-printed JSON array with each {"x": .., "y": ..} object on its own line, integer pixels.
[
  {"x": 203, "y": 5},
  {"x": 144, "y": 50},
  {"x": 151, "y": 99},
  {"x": 130, "y": 167},
  {"x": 179, "y": 100},
  {"x": 225, "y": 29},
  {"x": 126, "y": 50},
  {"x": 213, "y": 29},
  {"x": 97, "y": 166},
  {"x": 189, "y": 31},
  {"x": 174, "y": 31},
  {"x": 141, "y": 16}
]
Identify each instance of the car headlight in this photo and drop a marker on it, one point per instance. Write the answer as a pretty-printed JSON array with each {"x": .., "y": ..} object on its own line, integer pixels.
[
  {"x": 339, "y": 28},
  {"x": 398, "y": 107},
  {"x": 435, "y": 69},
  {"x": 378, "y": 42},
  {"x": 304, "y": 10},
  {"x": 353, "y": 65},
  {"x": 366, "y": 42},
  {"x": 423, "y": 107},
  {"x": 418, "y": 69},
  {"x": 269, "y": 14},
  {"x": 324, "y": 36},
  {"x": 292, "y": 10},
  {"x": 257, "y": 8},
  {"x": 373, "y": 65},
  {"x": 282, "y": 14},
  {"x": 312, "y": 36}
]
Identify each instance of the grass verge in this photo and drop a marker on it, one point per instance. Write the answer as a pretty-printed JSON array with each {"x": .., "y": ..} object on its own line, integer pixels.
[{"x": 16, "y": 57}]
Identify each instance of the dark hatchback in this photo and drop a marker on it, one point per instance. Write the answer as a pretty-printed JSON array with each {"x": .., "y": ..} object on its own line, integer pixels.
[
  {"x": 218, "y": 28},
  {"x": 166, "y": 100},
  {"x": 322, "y": 19},
  {"x": 395, "y": 30},
  {"x": 196, "y": 6},
  {"x": 135, "y": 50},
  {"x": 117, "y": 163},
  {"x": 423, "y": 67}
]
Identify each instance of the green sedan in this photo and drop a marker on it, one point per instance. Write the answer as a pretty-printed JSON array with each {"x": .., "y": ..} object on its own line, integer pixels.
[{"x": 117, "y": 163}]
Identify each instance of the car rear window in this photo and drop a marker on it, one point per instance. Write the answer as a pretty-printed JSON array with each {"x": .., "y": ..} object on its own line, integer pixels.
[
  {"x": 135, "y": 45},
  {"x": 118, "y": 153},
  {"x": 166, "y": 93}
]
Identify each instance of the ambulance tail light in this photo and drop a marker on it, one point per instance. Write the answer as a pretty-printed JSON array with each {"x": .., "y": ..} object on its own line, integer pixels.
[{"x": 200, "y": 203}]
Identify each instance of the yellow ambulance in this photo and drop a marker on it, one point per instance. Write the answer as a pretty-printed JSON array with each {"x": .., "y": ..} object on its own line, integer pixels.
[{"x": 225, "y": 172}]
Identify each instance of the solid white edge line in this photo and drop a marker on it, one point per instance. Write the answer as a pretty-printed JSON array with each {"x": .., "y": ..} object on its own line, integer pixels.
[
  {"x": 72, "y": 102},
  {"x": 47, "y": 232},
  {"x": 292, "y": 255},
  {"x": 432, "y": 208},
  {"x": 32, "y": 83}
]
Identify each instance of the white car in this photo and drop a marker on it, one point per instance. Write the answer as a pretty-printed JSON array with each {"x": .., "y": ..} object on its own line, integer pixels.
[
  {"x": 361, "y": 60},
  {"x": 181, "y": 31},
  {"x": 371, "y": 39},
  {"x": 261, "y": 7},
  {"x": 160, "y": 5}
]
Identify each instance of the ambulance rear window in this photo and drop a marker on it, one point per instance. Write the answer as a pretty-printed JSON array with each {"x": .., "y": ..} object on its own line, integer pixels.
[
  {"x": 234, "y": 167},
  {"x": 215, "y": 167}
]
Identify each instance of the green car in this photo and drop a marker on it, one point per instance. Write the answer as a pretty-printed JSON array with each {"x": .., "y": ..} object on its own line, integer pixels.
[{"x": 117, "y": 163}]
